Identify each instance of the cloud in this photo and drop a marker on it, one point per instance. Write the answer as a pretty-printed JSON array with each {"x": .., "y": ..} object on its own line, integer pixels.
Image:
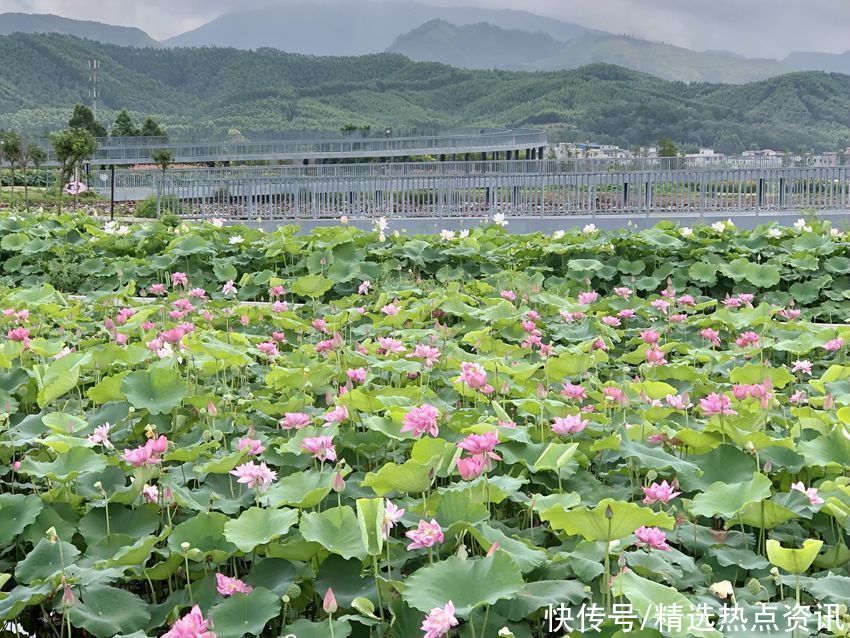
[{"x": 757, "y": 28}]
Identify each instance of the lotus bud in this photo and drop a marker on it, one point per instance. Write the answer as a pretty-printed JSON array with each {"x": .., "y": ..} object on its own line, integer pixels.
[
  {"x": 329, "y": 603},
  {"x": 339, "y": 483},
  {"x": 774, "y": 574},
  {"x": 67, "y": 595},
  {"x": 504, "y": 632},
  {"x": 768, "y": 466},
  {"x": 493, "y": 549},
  {"x": 621, "y": 561},
  {"x": 609, "y": 513},
  {"x": 51, "y": 535},
  {"x": 706, "y": 569},
  {"x": 754, "y": 586},
  {"x": 211, "y": 409},
  {"x": 285, "y": 599},
  {"x": 722, "y": 590}
]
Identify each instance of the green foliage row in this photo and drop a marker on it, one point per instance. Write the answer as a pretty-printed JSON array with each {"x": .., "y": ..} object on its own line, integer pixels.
[{"x": 210, "y": 90}]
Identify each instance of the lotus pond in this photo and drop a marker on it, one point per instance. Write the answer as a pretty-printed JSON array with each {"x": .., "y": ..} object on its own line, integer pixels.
[{"x": 354, "y": 436}]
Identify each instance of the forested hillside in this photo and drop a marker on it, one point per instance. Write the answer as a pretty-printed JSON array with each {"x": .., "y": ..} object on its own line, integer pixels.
[{"x": 211, "y": 90}]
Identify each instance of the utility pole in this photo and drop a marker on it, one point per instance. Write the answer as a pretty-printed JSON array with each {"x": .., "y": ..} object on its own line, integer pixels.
[{"x": 94, "y": 67}]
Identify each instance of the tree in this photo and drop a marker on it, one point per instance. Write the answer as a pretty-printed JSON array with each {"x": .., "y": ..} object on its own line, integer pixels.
[
  {"x": 151, "y": 129},
  {"x": 72, "y": 147},
  {"x": 163, "y": 158},
  {"x": 29, "y": 154},
  {"x": 83, "y": 118},
  {"x": 12, "y": 148},
  {"x": 666, "y": 148},
  {"x": 123, "y": 126}
]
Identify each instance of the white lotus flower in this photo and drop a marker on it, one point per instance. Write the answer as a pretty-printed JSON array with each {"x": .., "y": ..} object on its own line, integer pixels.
[
  {"x": 123, "y": 229},
  {"x": 381, "y": 225},
  {"x": 835, "y": 232},
  {"x": 236, "y": 239},
  {"x": 343, "y": 219},
  {"x": 589, "y": 229},
  {"x": 447, "y": 235},
  {"x": 464, "y": 233},
  {"x": 558, "y": 234},
  {"x": 774, "y": 233},
  {"x": 730, "y": 223},
  {"x": 499, "y": 219},
  {"x": 719, "y": 226},
  {"x": 722, "y": 590},
  {"x": 382, "y": 237},
  {"x": 217, "y": 222},
  {"x": 686, "y": 232}
]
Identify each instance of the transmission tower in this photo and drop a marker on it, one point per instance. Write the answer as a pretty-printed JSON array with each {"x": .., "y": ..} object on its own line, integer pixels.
[{"x": 94, "y": 67}]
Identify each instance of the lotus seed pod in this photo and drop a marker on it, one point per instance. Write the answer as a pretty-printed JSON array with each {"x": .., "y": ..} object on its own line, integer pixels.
[
  {"x": 294, "y": 591},
  {"x": 706, "y": 569},
  {"x": 754, "y": 586},
  {"x": 651, "y": 475}
]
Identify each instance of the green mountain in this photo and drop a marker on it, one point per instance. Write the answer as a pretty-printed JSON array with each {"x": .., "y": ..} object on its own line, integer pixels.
[
  {"x": 829, "y": 62},
  {"x": 476, "y": 46},
  {"x": 664, "y": 60},
  {"x": 210, "y": 90},
  {"x": 47, "y": 23},
  {"x": 342, "y": 27}
]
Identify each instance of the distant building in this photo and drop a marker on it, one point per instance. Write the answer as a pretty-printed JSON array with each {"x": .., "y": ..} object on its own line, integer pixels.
[{"x": 705, "y": 157}]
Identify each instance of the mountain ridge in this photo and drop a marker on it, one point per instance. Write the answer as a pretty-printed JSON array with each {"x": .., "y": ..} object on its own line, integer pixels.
[{"x": 13, "y": 22}]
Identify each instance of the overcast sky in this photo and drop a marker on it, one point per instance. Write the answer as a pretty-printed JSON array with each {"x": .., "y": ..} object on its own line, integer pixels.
[{"x": 766, "y": 28}]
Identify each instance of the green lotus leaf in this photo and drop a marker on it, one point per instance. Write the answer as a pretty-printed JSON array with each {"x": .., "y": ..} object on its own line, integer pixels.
[
  {"x": 336, "y": 529},
  {"x": 45, "y": 560},
  {"x": 104, "y": 611},
  {"x": 795, "y": 561},
  {"x": 303, "y": 628},
  {"x": 258, "y": 526},
  {"x": 469, "y": 584},
  {"x": 610, "y": 520},
  {"x": 410, "y": 477},
  {"x": 67, "y": 466},
  {"x": 157, "y": 390},
  {"x": 245, "y": 614},
  {"x": 370, "y": 517},
  {"x": 312, "y": 286},
  {"x": 729, "y": 499},
  {"x": 17, "y": 511},
  {"x": 203, "y": 532}
]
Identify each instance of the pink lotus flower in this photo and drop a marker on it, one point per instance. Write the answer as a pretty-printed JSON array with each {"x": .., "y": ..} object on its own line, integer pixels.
[
  {"x": 679, "y": 402},
  {"x": 747, "y": 339},
  {"x": 652, "y": 537},
  {"x": 482, "y": 445},
  {"x": 391, "y": 310},
  {"x": 179, "y": 279},
  {"x": 715, "y": 404},
  {"x": 227, "y": 586},
  {"x": 198, "y": 293},
  {"x": 157, "y": 289},
  {"x": 357, "y": 375},
  {"x": 295, "y": 420},
  {"x": 279, "y": 337},
  {"x": 250, "y": 446},
  {"x": 244, "y": 320},
  {"x": 392, "y": 515},
  {"x": 678, "y": 318},
  {"x": 626, "y": 313},
  {"x": 21, "y": 335},
  {"x": 421, "y": 420},
  {"x": 473, "y": 375},
  {"x": 470, "y": 468},
  {"x": 364, "y": 287},
  {"x": 789, "y": 313},
  {"x": 276, "y": 291},
  {"x": 740, "y": 391},
  {"x": 329, "y": 604},
  {"x": 439, "y": 621},
  {"x": 587, "y": 298},
  {"x": 811, "y": 492},
  {"x": 686, "y": 300},
  {"x": 268, "y": 348},
  {"x": 507, "y": 424},
  {"x": 429, "y": 353},
  {"x": 747, "y": 298},
  {"x": 804, "y": 366},
  {"x": 101, "y": 436},
  {"x": 649, "y": 336},
  {"x": 613, "y": 322},
  {"x": 229, "y": 290},
  {"x": 150, "y": 493},
  {"x": 338, "y": 415},
  {"x": 510, "y": 295},
  {"x": 710, "y": 335},
  {"x": 798, "y": 397},
  {"x": 659, "y": 493},
  {"x": 655, "y": 356},
  {"x": 147, "y": 454},
  {"x": 732, "y": 302},
  {"x": 599, "y": 344},
  {"x": 624, "y": 292},
  {"x": 321, "y": 447},
  {"x": 572, "y": 391},
  {"x": 320, "y": 325},
  {"x": 425, "y": 535},
  {"x": 572, "y": 424},
  {"x": 389, "y": 345},
  {"x": 615, "y": 394},
  {"x": 124, "y": 315},
  {"x": 834, "y": 344},
  {"x": 661, "y": 305},
  {"x": 280, "y": 306},
  {"x": 192, "y": 625},
  {"x": 253, "y": 475}
]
